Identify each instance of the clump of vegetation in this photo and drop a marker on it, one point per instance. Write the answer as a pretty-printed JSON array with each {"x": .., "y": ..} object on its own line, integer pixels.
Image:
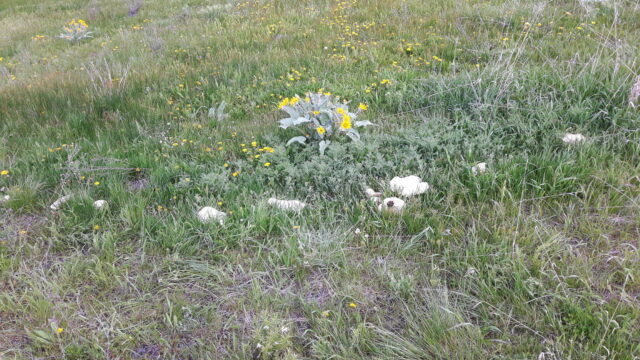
[
  {"x": 322, "y": 117},
  {"x": 76, "y": 30}
]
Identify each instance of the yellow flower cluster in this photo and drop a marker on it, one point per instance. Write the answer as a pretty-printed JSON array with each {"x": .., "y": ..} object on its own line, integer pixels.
[
  {"x": 79, "y": 22},
  {"x": 346, "y": 119},
  {"x": 376, "y": 85}
]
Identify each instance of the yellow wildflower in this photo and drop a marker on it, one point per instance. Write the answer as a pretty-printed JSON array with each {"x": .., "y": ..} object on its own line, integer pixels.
[
  {"x": 346, "y": 122},
  {"x": 283, "y": 103},
  {"x": 320, "y": 130},
  {"x": 267, "y": 164},
  {"x": 363, "y": 106},
  {"x": 97, "y": 183},
  {"x": 4, "y": 172},
  {"x": 59, "y": 330},
  {"x": 352, "y": 305},
  {"x": 96, "y": 227}
]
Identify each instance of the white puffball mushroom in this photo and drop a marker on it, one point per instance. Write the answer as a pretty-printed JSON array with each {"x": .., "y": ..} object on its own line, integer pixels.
[
  {"x": 479, "y": 168},
  {"x": 573, "y": 138},
  {"x": 392, "y": 205},
  {"x": 58, "y": 203},
  {"x": 408, "y": 186},
  {"x": 289, "y": 205},
  {"x": 100, "y": 204},
  {"x": 208, "y": 214}
]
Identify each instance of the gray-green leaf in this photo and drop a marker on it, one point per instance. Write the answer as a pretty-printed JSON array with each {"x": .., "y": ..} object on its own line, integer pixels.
[
  {"x": 353, "y": 135},
  {"x": 298, "y": 139},
  {"x": 323, "y": 146},
  {"x": 363, "y": 123},
  {"x": 288, "y": 122}
]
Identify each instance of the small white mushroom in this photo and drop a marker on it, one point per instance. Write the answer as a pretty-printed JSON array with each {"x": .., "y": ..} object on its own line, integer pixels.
[
  {"x": 208, "y": 214},
  {"x": 58, "y": 203},
  {"x": 479, "y": 168},
  {"x": 392, "y": 204},
  {"x": 573, "y": 138},
  {"x": 373, "y": 195},
  {"x": 289, "y": 205},
  {"x": 408, "y": 186},
  {"x": 6, "y": 198},
  {"x": 100, "y": 204}
]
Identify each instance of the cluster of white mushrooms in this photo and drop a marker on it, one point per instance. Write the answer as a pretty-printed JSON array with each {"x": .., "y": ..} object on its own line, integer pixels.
[{"x": 404, "y": 187}]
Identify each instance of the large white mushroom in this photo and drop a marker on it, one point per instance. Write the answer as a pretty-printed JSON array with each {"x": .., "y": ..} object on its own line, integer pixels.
[
  {"x": 100, "y": 204},
  {"x": 573, "y": 138},
  {"x": 58, "y": 203},
  {"x": 392, "y": 205},
  {"x": 208, "y": 214},
  {"x": 479, "y": 168},
  {"x": 408, "y": 186},
  {"x": 288, "y": 205}
]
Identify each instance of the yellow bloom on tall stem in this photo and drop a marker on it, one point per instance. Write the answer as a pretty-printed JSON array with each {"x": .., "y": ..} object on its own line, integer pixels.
[
  {"x": 346, "y": 119},
  {"x": 346, "y": 122}
]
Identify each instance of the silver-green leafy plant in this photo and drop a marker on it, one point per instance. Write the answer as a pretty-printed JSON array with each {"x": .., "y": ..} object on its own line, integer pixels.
[
  {"x": 218, "y": 113},
  {"x": 321, "y": 118},
  {"x": 75, "y": 30}
]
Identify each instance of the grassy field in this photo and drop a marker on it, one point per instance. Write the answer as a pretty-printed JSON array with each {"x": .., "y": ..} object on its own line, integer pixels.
[{"x": 536, "y": 258}]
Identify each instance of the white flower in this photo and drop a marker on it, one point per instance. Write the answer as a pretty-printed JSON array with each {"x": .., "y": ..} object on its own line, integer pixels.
[
  {"x": 479, "y": 168},
  {"x": 6, "y": 198},
  {"x": 392, "y": 204},
  {"x": 284, "y": 329},
  {"x": 207, "y": 214},
  {"x": 100, "y": 204},
  {"x": 573, "y": 138},
  {"x": 58, "y": 203},
  {"x": 408, "y": 186},
  {"x": 289, "y": 205}
]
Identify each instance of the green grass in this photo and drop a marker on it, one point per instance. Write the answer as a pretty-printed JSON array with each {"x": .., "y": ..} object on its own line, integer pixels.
[{"x": 534, "y": 259}]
